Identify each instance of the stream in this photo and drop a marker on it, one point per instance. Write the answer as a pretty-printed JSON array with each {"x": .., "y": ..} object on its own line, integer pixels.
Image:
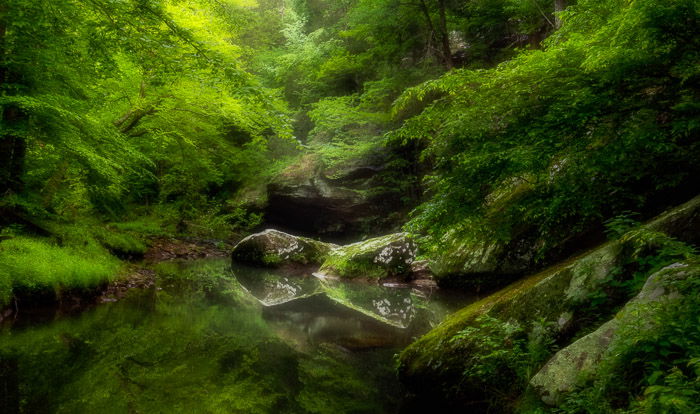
[{"x": 209, "y": 338}]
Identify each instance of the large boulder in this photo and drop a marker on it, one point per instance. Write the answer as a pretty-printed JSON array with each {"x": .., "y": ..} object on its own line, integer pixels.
[
  {"x": 449, "y": 364},
  {"x": 342, "y": 202},
  {"x": 573, "y": 365},
  {"x": 376, "y": 259},
  {"x": 274, "y": 248},
  {"x": 467, "y": 263}
]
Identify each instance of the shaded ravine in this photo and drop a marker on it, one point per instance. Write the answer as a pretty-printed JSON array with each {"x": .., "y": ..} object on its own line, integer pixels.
[{"x": 198, "y": 341}]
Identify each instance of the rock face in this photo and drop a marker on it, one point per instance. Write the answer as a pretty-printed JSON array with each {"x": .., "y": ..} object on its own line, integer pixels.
[
  {"x": 378, "y": 258},
  {"x": 445, "y": 364},
  {"x": 274, "y": 248},
  {"x": 345, "y": 202},
  {"x": 468, "y": 261},
  {"x": 579, "y": 361}
]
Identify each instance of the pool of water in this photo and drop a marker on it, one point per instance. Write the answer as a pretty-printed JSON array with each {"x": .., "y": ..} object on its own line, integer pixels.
[{"x": 210, "y": 339}]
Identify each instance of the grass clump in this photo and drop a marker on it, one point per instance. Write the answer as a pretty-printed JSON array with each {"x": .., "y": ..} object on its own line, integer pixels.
[{"x": 31, "y": 264}]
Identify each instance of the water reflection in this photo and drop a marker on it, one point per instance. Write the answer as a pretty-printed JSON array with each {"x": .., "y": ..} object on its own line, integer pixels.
[
  {"x": 272, "y": 287},
  {"x": 198, "y": 342},
  {"x": 306, "y": 311}
]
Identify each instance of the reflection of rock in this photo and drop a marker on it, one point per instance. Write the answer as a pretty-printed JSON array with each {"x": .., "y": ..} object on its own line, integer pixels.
[
  {"x": 376, "y": 258},
  {"x": 317, "y": 320},
  {"x": 307, "y": 311},
  {"x": 396, "y": 307},
  {"x": 274, "y": 248},
  {"x": 272, "y": 288},
  {"x": 393, "y": 306}
]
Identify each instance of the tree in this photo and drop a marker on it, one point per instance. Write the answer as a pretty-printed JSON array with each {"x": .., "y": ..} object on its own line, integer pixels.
[{"x": 559, "y": 6}]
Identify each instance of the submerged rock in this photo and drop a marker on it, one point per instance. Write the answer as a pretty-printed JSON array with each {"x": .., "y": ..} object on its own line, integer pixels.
[
  {"x": 579, "y": 361},
  {"x": 274, "y": 248},
  {"x": 378, "y": 258}
]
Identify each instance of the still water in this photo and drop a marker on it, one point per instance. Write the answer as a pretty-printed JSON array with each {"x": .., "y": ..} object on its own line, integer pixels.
[{"x": 207, "y": 338}]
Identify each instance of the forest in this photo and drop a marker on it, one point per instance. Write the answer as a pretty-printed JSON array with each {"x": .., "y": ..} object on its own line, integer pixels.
[{"x": 350, "y": 206}]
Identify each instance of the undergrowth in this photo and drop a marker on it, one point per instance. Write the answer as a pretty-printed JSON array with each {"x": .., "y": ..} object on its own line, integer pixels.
[{"x": 38, "y": 264}]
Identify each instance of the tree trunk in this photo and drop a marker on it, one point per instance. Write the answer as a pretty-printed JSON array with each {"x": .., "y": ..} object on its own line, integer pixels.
[
  {"x": 12, "y": 151},
  {"x": 559, "y": 6},
  {"x": 445, "y": 36},
  {"x": 132, "y": 118},
  {"x": 439, "y": 34},
  {"x": 429, "y": 22}
]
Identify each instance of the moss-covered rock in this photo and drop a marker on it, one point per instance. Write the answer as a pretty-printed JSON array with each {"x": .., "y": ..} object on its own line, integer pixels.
[
  {"x": 467, "y": 260},
  {"x": 376, "y": 258},
  {"x": 493, "y": 345},
  {"x": 579, "y": 361},
  {"x": 274, "y": 248}
]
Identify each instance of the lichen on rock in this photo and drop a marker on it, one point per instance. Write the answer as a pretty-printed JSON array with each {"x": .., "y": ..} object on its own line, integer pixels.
[
  {"x": 274, "y": 248},
  {"x": 571, "y": 366},
  {"x": 377, "y": 258}
]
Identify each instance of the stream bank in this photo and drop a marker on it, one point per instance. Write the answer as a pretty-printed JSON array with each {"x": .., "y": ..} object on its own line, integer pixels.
[{"x": 198, "y": 331}]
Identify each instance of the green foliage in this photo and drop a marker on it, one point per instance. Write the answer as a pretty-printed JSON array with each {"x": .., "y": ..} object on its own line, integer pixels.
[
  {"x": 133, "y": 103},
  {"x": 30, "y": 265},
  {"x": 596, "y": 123},
  {"x": 618, "y": 226},
  {"x": 502, "y": 357}
]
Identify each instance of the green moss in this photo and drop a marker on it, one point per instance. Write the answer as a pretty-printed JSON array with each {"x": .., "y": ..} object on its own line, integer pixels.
[
  {"x": 347, "y": 266},
  {"x": 375, "y": 258},
  {"x": 271, "y": 259}
]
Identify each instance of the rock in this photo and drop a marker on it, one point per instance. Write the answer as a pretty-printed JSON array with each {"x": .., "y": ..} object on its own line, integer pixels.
[
  {"x": 274, "y": 248},
  {"x": 343, "y": 202},
  {"x": 579, "y": 361},
  {"x": 378, "y": 258},
  {"x": 434, "y": 366},
  {"x": 682, "y": 222},
  {"x": 471, "y": 261},
  {"x": 466, "y": 263}
]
